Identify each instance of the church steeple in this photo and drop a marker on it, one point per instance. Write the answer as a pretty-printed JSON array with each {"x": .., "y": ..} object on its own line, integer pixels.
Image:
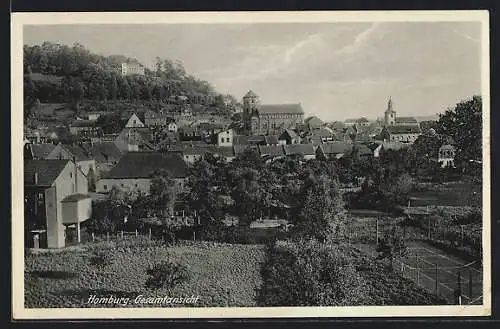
[
  {"x": 389, "y": 105},
  {"x": 390, "y": 114}
]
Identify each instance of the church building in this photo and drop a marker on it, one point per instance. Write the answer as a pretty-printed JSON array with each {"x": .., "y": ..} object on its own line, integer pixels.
[
  {"x": 399, "y": 129},
  {"x": 269, "y": 118}
]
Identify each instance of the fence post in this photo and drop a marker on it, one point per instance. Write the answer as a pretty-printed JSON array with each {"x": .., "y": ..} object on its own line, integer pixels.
[
  {"x": 462, "y": 235},
  {"x": 136, "y": 233},
  {"x": 429, "y": 228},
  {"x": 418, "y": 273},
  {"x": 377, "y": 231},
  {"x": 470, "y": 285},
  {"x": 107, "y": 236},
  {"x": 459, "y": 288},
  {"x": 150, "y": 233},
  {"x": 93, "y": 237},
  {"x": 437, "y": 280},
  {"x": 122, "y": 234}
]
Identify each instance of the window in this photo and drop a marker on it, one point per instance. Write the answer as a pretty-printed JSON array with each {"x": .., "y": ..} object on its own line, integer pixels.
[
  {"x": 136, "y": 185},
  {"x": 121, "y": 185},
  {"x": 228, "y": 140},
  {"x": 70, "y": 175},
  {"x": 105, "y": 187},
  {"x": 40, "y": 196}
]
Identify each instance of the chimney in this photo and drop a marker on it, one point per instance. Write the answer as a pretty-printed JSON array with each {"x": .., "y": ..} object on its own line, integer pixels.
[{"x": 35, "y": 178}]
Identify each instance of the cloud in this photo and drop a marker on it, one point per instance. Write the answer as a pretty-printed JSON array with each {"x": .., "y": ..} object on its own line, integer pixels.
[{"x": 359, "y": 40}]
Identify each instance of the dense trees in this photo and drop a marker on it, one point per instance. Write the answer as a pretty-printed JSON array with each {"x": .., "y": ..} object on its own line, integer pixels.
[
  {"x": 60, "y": 73},
  {"x": 463, "y": 124}
]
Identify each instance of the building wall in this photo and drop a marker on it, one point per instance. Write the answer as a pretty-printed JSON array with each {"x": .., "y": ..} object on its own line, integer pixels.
[
  {"x": 225, "y": 138},
  {"x": 65, "y": 184},
  {"x": 105, "y": 185},
  {"x": 80, "y": 211},
  {"x": 272, "y": 122},
  {"x": 408, "y": 138}
]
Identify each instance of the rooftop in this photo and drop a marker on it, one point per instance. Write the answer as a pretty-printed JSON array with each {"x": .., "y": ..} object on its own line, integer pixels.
[
  {"x": 303, "y": 149},
  {"x": 281, "y": 108},
  {"x": 47, "y": 171},
  {"x": 143, "y": 164},
  {"x": 76, "y": 197}
]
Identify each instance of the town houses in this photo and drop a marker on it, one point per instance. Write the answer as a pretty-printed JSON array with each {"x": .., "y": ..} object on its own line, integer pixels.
[{"x": 63, "y": 177}]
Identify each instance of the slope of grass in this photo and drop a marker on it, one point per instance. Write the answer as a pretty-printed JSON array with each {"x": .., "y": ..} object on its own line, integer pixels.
[{"x": 221, "y": 274}]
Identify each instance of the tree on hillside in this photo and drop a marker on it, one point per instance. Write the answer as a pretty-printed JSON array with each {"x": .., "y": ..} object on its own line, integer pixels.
[
  {"x": 163, "y": 192},
  {"x": 464, "y": 124},
  {"x": 321, "y": 216}
]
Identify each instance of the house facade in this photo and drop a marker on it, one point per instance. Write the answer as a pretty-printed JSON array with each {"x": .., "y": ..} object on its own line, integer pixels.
[
  {"x": 446, "y": 156},
  {"x": 83, "y": 159},
  {"x": 403, "y": 134},
  {"x": 225, "y": 138},
  {"x": 55, "y": 196},
  {"x": 269, "y": 118},
  {"x": 135, "y": 169}
]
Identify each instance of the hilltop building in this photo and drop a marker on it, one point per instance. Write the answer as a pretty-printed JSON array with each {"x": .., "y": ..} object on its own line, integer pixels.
[
  {"x": 132, "y": 69},
  {"x": 269, "y": 118}
]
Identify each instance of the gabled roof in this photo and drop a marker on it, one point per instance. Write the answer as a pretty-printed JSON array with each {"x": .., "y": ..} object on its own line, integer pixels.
[
  {"x": 406, "y": 120},
  {"x": 396, "y": 146},
  {"x": 363, "y": 149},
  {"x": 314, "y": 121},
  {"x": 337, "y": 147},
  {"x": 47, "y": 171},
  {"x": 302, "y": 149},
  {"x": 143, "y": 164},
  {"x": 78, "y": 152},
  {"x": 272, "y": 150},
  {"x": 290, "y": 133},
  {"x": 41, "y": 151},
  {"x": 404, "y": 129},
  {"x": 281, "y": 109},
  {"x": 250, "y": 94},
  {"x": 102, "y": 150},
  {"x": 322, "y": 132}
]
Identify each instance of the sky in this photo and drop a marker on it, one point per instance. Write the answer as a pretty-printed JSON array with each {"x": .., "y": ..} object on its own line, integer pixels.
[{"x": 335, "y": 70}]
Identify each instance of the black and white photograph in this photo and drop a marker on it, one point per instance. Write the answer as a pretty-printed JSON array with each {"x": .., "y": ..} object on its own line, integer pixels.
[{"x": 251, "y": 164}]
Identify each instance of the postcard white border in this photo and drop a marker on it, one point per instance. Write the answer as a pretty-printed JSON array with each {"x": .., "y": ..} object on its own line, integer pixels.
[{"x": 18, "y": 20}]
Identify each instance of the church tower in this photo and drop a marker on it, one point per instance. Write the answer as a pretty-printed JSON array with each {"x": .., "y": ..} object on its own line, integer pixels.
[
  {"x": 250, "y": 103},
  {"x": 390, "y": 114}
]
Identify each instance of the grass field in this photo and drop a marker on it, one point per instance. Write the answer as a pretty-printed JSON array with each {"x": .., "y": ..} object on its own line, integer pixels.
[
  {"x": 451, "y": 194},
  {"x": 222, "y": 275}
]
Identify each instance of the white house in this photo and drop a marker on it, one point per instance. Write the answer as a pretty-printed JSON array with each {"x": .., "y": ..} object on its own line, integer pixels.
[
  {"x": 446, "y": 156},
  {"x": 225, "y": 138},
  {"x": 172, "y": 126},
  {"x": 55, "y": 196}
]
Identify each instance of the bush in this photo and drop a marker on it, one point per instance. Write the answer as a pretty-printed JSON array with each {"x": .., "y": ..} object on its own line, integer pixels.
[
  {"x": 309, "y": 274},
  {"x": 167, "y": 274},
  {"x": 101, "y": 258}
]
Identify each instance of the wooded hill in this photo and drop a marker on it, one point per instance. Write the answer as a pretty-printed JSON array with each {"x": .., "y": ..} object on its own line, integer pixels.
[{"x": 55, "y": 73}]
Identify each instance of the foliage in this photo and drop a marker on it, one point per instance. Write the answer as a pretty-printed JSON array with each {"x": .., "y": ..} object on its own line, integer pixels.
[
  {"x": 163, "y": 192},
  {"x": 167, "y": 274},
  {"x": 90, "y": 76},
  {"x": 310, "y": 274},
  {"x": 316, "y": 274},
  {"x": 320, "y": 216},
  {"x": 463, "y": 124}
]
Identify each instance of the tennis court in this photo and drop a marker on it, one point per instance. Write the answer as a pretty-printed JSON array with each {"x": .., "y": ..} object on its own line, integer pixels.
[{"x": 442, "y": 274}]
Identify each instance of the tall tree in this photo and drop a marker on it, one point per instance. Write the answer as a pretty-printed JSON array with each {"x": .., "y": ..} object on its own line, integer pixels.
[{"x": 464, "y": 124}]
